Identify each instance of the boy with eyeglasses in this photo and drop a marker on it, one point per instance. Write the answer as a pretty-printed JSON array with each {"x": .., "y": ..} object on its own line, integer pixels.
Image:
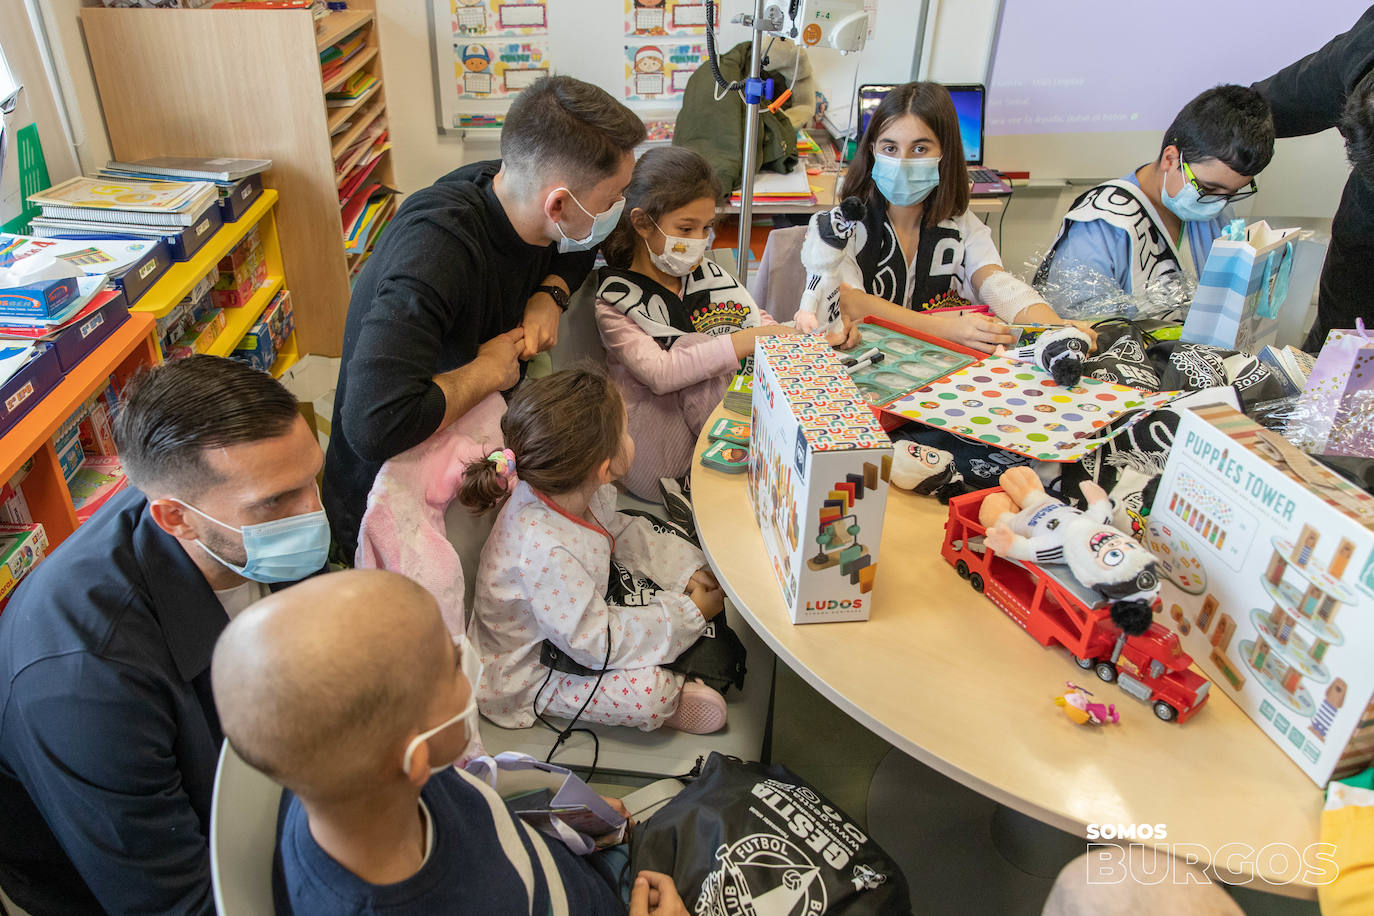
[{"x": 1123, "y": 236}]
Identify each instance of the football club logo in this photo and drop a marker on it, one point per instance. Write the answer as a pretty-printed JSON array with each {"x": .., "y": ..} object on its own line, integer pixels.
[{"x": 762, "y": 874}]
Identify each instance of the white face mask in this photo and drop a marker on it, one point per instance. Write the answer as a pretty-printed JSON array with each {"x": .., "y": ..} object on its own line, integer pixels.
[
  {"x": 602, "y": 224},
  {"x": 680, "y": 256},
  {"x": 472, "y": 669}
]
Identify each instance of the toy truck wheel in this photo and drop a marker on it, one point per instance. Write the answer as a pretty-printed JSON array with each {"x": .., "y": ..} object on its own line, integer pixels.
[
  {"x": 976, "y": 581},
  {"x": 1106, "y": 671},
  {"x": 1085, "y": 663},
  {"x": 962, "y": 569},
  {"x": 1164, "y": 711}
]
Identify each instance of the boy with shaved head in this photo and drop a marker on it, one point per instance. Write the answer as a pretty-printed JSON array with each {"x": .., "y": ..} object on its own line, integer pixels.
[{"x": 347, "y": 690}]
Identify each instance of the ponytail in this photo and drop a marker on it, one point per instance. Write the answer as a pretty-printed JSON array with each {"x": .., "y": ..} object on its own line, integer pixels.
[
  {"x": 483, "y": 487},
  {"x": 558, "y": 429}
]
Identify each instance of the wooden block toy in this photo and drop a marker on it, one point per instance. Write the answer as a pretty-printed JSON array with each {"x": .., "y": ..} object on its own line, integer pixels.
[
  {"x": 858, "y": 481},
  {"x": 867, "y": 575},
  {"x": 870, "y": 477},
  {"x": 728, "y": 430},
  {"x": 850, "y": 490},
  {"x": 829, "y": 514},
  {"x": 726, "y": 457},
  {"x": 845, "y": 498}
]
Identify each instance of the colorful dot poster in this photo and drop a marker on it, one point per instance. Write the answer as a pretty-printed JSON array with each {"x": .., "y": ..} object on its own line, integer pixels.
[
  {"x": 499, "y": 17},
  {"x": 496, "y": 69},
  {"x": 1019, "y": 408},
  {"x": 667, "y": 17},
  {"x": 656, "y": 73}
]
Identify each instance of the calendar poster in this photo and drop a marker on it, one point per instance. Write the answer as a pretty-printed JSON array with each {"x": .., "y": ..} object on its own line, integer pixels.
[
  {"x": 667, "y": 17},
  {"x": 659, "y": 72}
]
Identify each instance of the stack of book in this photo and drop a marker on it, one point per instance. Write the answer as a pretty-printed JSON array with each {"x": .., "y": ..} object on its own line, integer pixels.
[
  {"x": 354, "y": 89},
  {"x": 333, "y": 58},
  {"x": 776, "y": 188},
  {"x": 238, "y": 182},
  {"x": 122, "y": 205}
]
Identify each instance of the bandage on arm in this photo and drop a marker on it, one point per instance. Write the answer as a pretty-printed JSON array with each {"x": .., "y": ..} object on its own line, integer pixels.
[{"x": 1007, "y": 295}]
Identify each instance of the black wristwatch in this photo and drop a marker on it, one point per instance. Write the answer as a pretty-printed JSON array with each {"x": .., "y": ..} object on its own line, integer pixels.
[{"x": 559, "y": 297}]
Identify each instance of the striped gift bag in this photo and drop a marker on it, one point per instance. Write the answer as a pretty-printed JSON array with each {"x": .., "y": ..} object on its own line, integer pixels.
[{"x": 1241, "y": 288}]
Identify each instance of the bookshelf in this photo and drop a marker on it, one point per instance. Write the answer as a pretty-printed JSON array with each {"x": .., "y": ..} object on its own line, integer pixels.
[
  {"x": 125, "y": 351},
  {"x": 178, "y": 281},
  {"x": 248, "y": 83}
]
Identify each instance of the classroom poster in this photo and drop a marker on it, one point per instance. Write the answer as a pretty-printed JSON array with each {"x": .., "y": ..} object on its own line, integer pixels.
[
  {"x": 499, "y": 17},
  {"x": 497, "y": 69},
  {"x": 667, "y": 17},
  {"x": 657, "y": 73}
]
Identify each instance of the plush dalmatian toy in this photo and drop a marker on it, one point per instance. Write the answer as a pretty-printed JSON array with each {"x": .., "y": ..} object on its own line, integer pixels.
[
  {"x": 833, "y": 239},
  {"x": 1061, "y": 352}
]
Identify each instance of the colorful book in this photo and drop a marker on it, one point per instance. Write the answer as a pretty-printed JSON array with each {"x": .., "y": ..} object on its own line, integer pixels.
[{"x": 107, "y": 200}]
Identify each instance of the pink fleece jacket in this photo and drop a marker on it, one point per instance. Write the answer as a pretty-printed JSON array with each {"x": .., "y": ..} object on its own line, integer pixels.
[{"x": 668, "y": 393}]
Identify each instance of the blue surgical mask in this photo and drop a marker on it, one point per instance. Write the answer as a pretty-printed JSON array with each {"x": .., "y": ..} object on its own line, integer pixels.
[
  {"x": 602, "y": 224},
  {"x": 1186, "y": 205},
  {"x": 285, "y": 550},
  {"x": 905, "y": 181}
]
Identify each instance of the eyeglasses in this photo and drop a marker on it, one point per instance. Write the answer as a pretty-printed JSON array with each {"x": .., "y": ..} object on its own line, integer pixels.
[{"x": 1211, "y": 197}]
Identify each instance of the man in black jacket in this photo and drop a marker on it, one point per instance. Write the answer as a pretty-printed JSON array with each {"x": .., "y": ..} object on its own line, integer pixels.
[
  {"x": 471, "y": 278},
  {"x": 1334, "y": 87},
  {"x": 108, "y": 732}
]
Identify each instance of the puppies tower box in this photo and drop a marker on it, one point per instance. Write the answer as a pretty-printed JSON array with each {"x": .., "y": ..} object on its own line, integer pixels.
[
  {"x": 818, "y": 475},
  {"x": 1270, "y": 565}
]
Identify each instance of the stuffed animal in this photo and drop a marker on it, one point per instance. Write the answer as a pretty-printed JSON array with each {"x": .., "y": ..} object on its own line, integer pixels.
[
  {"x": 1025, "y": 523},
  {"x": 833, "y": 239},
  {"x": 925, "y": 471},
  {"x": 1060, "y": 352}
]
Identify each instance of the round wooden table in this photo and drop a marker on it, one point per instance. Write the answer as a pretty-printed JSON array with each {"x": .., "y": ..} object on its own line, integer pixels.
[{"x": 944, "y": 675}]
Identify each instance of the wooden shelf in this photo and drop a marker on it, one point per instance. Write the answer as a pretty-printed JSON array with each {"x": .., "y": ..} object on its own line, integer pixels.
[
  {"x": 372, "y": 113},
  {"x": 242, "y": 319},
  {"x": 287, "y": 356},
  {"x": 90, "y": 375},
  {"x": 178, "y": 282},
  {"x": 339, "y": 181},
  {"x": 340, "y": 25},
  {"x": 353, "y": 109},
  {"x": 352, "y": 67}
]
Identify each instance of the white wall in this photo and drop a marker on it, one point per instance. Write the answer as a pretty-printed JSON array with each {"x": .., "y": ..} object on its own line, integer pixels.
[{"x": 1302, "y": 184}]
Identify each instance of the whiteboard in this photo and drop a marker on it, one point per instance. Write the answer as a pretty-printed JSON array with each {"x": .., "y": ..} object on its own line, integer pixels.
[
  {"x": 594, "y": 40},
  {"x": 1081, "y": 89}
]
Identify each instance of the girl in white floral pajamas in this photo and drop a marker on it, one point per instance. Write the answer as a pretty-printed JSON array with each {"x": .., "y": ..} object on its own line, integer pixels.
[{"x": 558, "y": 546}]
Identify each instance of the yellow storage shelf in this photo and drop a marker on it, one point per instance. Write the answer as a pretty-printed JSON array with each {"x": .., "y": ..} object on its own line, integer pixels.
[
  {"x": 287, "y": 356},
  {"x": 243, "y": 318},
  {"x": 177, "y": 282}
]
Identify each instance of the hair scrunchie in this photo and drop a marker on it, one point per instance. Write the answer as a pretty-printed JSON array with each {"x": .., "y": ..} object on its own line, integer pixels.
[{"x": 505, "y": 465}]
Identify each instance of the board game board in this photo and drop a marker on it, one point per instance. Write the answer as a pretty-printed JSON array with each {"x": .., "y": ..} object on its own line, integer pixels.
[{"x": 908, "y": 364}]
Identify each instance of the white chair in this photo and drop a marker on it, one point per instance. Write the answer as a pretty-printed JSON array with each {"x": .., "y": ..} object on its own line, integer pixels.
[
  {"x": 243, "y": 837},
  {"x": 778, "y": 283}
]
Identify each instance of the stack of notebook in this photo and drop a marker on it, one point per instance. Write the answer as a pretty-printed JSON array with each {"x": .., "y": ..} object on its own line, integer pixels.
[
  {"x": 109, "y": 204},
  {"x": 775, "y": 188}
]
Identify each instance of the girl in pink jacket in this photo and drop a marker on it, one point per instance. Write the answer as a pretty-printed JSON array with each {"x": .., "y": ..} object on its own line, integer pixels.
[{"x": 676, "y": 327}]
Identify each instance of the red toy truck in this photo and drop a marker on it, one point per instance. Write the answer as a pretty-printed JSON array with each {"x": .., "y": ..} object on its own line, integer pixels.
[{"x": 1151, "y": 667}]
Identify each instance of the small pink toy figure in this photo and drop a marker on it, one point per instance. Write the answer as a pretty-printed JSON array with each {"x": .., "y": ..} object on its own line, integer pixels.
[{"x": 1081, "y": 711}]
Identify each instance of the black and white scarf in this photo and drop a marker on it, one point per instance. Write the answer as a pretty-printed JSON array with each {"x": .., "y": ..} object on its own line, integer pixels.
[
  {"x": 1122, "y": 204},
  {"x": 939, "y": 254},
  {"x": 712, "y": 302}
]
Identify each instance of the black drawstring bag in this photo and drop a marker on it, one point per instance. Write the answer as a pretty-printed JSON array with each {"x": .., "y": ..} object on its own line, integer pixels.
[{"x": 756, "y": 838}]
